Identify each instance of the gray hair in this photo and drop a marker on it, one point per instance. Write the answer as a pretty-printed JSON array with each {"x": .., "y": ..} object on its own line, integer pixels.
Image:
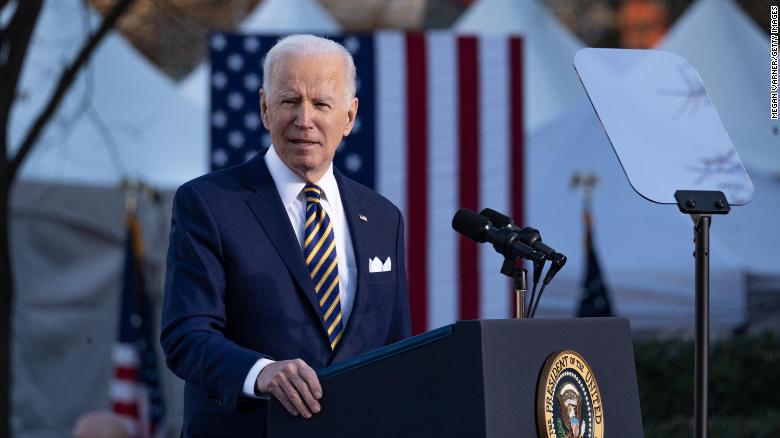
[{"x": 309, "y": 45}]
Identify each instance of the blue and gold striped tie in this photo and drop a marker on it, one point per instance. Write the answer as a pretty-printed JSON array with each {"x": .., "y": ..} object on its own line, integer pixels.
[{"x": 320, "y": 250}]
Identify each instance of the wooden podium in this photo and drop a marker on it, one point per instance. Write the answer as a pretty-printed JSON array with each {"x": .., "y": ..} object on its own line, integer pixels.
[{"x": 470, "y": 379}]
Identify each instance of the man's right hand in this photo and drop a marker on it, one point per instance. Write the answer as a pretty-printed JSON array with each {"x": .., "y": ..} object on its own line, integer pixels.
[{"x": 294, "y": 384}]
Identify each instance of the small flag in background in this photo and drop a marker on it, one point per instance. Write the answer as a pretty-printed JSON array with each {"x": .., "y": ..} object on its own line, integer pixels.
[
  {"x": 136, "y": 393},
  {"x": 595, "y": 297}
]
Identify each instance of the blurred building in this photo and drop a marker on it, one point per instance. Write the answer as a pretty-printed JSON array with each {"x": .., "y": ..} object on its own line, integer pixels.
[
  {"x": 172, "y": 33},
  {"x": 641, "y": 23}
]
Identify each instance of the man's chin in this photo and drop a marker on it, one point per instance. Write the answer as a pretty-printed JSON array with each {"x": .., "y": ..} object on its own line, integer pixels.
[
  {"x": 309, "y": 168},
  {"x": 307, "y": 162}
]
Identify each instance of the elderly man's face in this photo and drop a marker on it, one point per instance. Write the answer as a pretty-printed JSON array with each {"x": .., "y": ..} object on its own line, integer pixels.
[{"x": 307, "y": 112}]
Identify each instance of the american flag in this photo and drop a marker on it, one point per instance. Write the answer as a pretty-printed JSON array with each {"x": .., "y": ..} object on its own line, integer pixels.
[
  {"x": 595, "y": 296},
  {"x": 136, "y": 388},
  {"x": 439, "y": 127}
]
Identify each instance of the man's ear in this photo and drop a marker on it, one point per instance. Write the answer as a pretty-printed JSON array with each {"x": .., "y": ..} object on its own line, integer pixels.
[
  {"x": 264, "y": 109},
  {"x": 351, "y": 114}
]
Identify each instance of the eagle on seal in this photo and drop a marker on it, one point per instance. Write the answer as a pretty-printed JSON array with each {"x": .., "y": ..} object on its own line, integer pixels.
[{"x": 570, "y": 404}]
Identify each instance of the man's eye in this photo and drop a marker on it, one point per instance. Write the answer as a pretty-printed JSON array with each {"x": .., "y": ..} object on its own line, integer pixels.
[{"x": 323, "y": 105}]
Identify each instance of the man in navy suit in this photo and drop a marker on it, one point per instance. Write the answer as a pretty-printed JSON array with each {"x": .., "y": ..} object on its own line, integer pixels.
[{"x": 281, "y": 265}]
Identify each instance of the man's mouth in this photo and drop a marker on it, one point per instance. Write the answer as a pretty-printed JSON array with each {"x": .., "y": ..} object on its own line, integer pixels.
[{"x": 303, "y": 142}]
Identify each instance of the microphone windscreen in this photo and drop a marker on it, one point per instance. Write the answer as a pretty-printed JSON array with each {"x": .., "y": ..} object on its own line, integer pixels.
[
  {"x": 558, "y": 259},
  {"x": 498, "y": 220},
  {"x": 470, "y": 224}
]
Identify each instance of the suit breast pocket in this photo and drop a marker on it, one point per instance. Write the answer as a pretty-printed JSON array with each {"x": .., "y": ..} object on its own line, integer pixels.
[
  {"x": 381, "y": 270},
  {"x": 382, "y": 278}
]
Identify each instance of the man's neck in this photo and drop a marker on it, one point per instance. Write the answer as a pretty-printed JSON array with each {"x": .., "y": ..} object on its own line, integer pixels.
[{"x": 309, "y": 176}]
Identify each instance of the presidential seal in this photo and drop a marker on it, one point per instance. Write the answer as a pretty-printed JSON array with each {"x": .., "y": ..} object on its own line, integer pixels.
[{"x": 568, "y": 399}]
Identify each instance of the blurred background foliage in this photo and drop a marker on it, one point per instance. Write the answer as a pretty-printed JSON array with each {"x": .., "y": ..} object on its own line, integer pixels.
[{"x": 744, "y": 376}]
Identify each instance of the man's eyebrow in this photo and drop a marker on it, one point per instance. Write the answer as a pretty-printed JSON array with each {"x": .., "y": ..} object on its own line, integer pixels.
[
  {"x": 326, "y": 99},
  {"x": 288, "y": 95}
]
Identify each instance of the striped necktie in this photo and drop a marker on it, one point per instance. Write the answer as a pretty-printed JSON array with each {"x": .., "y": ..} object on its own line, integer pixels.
[{"x": 320, "y": 251}]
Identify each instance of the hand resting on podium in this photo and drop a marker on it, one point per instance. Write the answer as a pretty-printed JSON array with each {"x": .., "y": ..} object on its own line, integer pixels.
[{"x": 294, "y": 384}]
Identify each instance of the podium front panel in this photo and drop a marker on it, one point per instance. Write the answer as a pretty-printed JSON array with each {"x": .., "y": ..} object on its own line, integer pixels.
[
  {"x": 472, "y": 379},
  {"x": 514, "y": 352},
  {"x": 422, "y": 389}
]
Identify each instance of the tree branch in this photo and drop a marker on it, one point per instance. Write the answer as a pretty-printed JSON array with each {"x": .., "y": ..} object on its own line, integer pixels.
[
  {"x": 66, "y": 79},
  {"x": 13, "y": 50},
  {"x": 2, "y": 4}
]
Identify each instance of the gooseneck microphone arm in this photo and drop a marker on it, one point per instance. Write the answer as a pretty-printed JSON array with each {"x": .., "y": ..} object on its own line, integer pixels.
[{"x": 558, "y": 260}]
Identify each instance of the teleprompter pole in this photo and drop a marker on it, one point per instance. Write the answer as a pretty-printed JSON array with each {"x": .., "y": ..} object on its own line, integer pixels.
[
  {"x": 701, "y": 205},
  {"x": 702, "y": 229}
]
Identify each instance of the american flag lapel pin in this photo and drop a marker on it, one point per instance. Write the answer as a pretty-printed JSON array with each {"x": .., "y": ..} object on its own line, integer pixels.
[{"x": 363, "y": 217}]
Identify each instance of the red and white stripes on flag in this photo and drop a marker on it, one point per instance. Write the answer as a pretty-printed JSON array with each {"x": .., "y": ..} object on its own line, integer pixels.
[
  {"x": 136, "y": 388},
  {"x": 128, "y": 394},
  {"x": 449, "y": 136}
]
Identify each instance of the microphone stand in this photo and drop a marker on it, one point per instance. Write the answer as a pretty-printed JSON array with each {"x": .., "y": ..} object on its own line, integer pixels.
[
  {"x": 701, "y": 205},
  {"x": 514, "y": 269},
  {"x": 521, "y": 286}
]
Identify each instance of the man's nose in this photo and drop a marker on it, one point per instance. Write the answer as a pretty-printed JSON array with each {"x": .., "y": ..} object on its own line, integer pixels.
[{"x": 303, "y": 118}]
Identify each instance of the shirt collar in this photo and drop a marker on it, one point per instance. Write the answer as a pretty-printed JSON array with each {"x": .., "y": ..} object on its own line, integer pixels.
[{"x": 289, "y": 185}]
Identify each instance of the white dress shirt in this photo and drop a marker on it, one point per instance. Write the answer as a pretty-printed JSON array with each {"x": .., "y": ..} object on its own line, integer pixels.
[{"x": 290, "y": 188}]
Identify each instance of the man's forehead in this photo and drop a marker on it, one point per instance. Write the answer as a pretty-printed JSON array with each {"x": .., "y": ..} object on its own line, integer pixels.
[
  {"x": 325, "y": 88},
  {"x": 311, "y": 67},
  {"x": 297, "y": 80},
  {"x": 313, "y": 82}
]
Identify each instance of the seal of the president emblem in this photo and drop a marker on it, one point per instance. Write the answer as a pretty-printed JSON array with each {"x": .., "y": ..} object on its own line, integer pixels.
[{"x": 569, "y": 403}]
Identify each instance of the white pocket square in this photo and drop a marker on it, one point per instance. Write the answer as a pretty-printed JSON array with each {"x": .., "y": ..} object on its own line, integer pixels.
[{"x": 376, "y": 265}]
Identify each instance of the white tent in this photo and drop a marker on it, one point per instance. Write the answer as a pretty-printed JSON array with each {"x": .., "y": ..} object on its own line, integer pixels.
[
  {"x": 271, "y": 16},
  {"x": 730, "y": 52},
  {"x": 732, "y": 56},
  {"x": 290, "y": 16},
  {"x": 550, "y": 84},
  {"x": 122, "y": 118},
  {"x": 749, "y": 233},
  {"x": 645, "y": 249}
]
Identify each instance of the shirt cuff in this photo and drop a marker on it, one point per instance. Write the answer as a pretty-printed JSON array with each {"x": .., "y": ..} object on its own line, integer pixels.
[{"x": 251, "y": 377}]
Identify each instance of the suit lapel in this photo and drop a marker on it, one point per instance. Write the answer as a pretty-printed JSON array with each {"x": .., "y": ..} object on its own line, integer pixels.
[
  {"x": 358, "y": 234},
  {"x": 266, "y": 204}
]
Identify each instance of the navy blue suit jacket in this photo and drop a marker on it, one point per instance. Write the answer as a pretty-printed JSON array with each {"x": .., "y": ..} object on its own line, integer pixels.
[{"x": 237, "y": 289}]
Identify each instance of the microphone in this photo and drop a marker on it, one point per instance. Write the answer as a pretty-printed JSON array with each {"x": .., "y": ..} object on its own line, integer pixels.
[
  {"x": 532, "y": 238},
  {"x": 505, "y": 241},
  {"x": 529, "y": 236},
  {"x": 500, "y": 220},
  {"x": 504, "y": 221},
  {"x": 558, "y": 260}
]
